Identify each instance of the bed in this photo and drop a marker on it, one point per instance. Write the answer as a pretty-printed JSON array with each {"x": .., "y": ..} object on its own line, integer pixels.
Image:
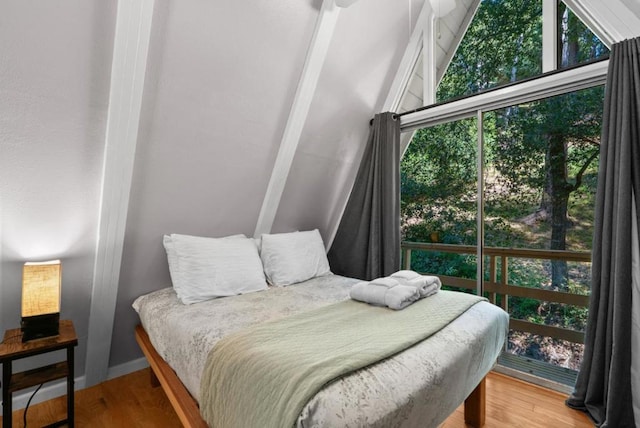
[{"x": 419, "y": 386}]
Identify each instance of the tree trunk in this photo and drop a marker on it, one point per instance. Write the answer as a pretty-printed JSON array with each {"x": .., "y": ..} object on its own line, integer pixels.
[
  {"x": 558, "y": 198},
  {"x": 570, "y": 45},
  {"x": 555, "y": 199}
]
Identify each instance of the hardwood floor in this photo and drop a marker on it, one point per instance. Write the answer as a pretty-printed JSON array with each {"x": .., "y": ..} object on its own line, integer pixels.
[
  {"x": 513, "y": 403},
  {"x": 130, "y": 401},
  {"x": 127, "y": 401}
]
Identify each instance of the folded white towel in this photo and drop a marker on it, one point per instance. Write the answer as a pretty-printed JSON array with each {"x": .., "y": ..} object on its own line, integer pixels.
[
  {"x": 401, "y": 296},
  {"x": 406, "y": 274},
  {"x": 366, "y": 292},
  {"x": 384, "y": 292},
  {"x": 385, "y": 282},
  {"x": 427, "y": 285}
]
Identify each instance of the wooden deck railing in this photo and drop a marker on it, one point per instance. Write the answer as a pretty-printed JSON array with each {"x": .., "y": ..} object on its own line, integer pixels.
[{"x": 499, "y": 285}]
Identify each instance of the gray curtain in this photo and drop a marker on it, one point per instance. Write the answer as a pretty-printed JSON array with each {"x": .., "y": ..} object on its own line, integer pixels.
[
  {"x": 367, "y": 243},
  {"x": 603, "y": 387}
]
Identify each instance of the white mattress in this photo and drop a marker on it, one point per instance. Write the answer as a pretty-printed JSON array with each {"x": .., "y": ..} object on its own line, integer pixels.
[{"x": 420, "y": 386}]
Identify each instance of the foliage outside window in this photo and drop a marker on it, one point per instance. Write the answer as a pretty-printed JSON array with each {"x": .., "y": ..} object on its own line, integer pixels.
[
  {"x": 503, "y": 45},
  {"x": 576, "y": 44},
  {"x": 539, "y": 173}
]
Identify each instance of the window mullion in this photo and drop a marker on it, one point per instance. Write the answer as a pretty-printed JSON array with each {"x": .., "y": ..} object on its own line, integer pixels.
[
  {"x": 549, "y": 35},
  {"x": 480, "y": 199}
]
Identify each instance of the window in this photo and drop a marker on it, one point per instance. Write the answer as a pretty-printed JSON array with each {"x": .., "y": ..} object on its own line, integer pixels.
[
  {"x": 439, "y": 197},
  {"x": 502, "y": 45},
  {"x": 539, "y": 177},
  {"x": 576, "y": 43},
  {"x": 541, "y": 166},
  {"x": 531, "y": 217}
]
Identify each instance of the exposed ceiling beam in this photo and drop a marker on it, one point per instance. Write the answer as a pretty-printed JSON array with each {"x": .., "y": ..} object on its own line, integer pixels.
[
  {"x": 314, "y": 61},
  {"x": 131, "y": 44}
]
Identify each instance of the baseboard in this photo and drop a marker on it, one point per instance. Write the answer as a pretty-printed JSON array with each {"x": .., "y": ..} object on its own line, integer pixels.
[
  {"x": 59, "y": 388},
  {"x": 48, "y": 391},
  {"x": 126, "y": 368}
]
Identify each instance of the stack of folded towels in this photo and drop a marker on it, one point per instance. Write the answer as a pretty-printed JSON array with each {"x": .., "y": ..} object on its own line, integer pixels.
[{"x": 396, "y": 291}]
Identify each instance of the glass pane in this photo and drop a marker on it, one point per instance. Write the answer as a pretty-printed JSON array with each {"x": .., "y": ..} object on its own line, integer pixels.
[
  {"x": 541, "y": 165},
  {"x": 576, "y": 43},
  {"x": 439, "y": 202},
  {"x": 503, "y": 44}
]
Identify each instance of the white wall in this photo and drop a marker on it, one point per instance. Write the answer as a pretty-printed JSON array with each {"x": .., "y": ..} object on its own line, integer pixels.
[
  {"x": 368, "y": 43},
  {"x": 221, "y": 78},
  {"x": 55, "y": 61}
]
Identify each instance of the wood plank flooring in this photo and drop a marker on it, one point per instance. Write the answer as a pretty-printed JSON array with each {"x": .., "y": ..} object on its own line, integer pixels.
[
  {"x": 131, "y": 401},
  {"x": 513, "y": 403}
]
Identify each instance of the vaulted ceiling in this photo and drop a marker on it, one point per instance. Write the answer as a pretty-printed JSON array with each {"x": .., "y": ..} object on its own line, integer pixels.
[{"x": 208, "y": 94}]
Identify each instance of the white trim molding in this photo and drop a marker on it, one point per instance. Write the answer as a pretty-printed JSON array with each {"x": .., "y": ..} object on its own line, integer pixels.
[
  {"x": 605, "y": 33},
  {"x": 47, "y": 392},
  {"x": 323, "y": 33},
  {"x": 480, "y": 203},
  {"x": 133, "y": 29},
  {"x": 408, "y": 62},
  {"x": 128, "y": 367},
  {"x": 549, "y": 35},
  {"x": 545, "y": 86},
  {"x": 59, "y": 388},
  {"x": 429, "y": 61}
]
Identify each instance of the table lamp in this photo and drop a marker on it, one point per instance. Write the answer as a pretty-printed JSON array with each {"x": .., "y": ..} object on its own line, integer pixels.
[{"x": 41, "y": 299}]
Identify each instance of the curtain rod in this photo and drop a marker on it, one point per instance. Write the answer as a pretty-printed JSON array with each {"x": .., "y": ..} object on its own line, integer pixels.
[{"x": 506, "y": 85}]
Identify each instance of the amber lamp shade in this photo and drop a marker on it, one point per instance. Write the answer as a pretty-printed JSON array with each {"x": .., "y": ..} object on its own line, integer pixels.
[{"x": 41, "y": 299}]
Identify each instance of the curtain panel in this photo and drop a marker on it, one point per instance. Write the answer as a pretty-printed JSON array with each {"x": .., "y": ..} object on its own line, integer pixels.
[
  {"x": 603, "y": 388},
  {"x": 367, "y": 243}
]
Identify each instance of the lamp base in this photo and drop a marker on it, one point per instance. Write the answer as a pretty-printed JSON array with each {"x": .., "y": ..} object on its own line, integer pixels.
[{"x": 40, "y": 326}]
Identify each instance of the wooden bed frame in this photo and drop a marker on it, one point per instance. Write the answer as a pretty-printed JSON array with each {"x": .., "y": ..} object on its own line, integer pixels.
[{"x": 189, "y": 412}]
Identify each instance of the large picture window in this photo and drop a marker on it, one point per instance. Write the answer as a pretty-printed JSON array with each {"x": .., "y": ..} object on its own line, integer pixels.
[
  {"x": 498, "y": 196},
  {"x": 539, "y": 178}
]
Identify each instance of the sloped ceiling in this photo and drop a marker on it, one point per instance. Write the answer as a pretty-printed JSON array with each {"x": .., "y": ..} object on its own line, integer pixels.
[
  {"x": 633, "y": 5},
  {"x": 357, "y": 74},
  {"x": 221, "y": 78}
]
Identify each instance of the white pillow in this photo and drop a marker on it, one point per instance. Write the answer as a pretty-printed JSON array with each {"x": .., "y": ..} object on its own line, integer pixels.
[
  {"x": 206, "y": 268},
  {"x": 294, "y": 257}
]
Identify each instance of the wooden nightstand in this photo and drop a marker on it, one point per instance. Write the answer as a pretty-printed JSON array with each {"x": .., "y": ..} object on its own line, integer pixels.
[{"x": 12, "y": 348}]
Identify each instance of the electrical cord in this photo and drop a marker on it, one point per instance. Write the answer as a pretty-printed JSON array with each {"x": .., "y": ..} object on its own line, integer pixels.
[{"x": 24, "y": 415}]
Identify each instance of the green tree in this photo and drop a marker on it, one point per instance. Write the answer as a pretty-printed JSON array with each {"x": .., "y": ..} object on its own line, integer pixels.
[
  {"x": 503, "y": 44},
  {"x": 547, "y": 145},
  {"x": 550, "y": 145}
]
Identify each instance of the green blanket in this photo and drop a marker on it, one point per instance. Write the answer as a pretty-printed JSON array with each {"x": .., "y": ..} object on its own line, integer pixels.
[{"x": 264, "y": 375}]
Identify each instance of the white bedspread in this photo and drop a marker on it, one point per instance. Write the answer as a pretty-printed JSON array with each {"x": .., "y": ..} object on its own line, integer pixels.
[{"x": 420, "y": 386}]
